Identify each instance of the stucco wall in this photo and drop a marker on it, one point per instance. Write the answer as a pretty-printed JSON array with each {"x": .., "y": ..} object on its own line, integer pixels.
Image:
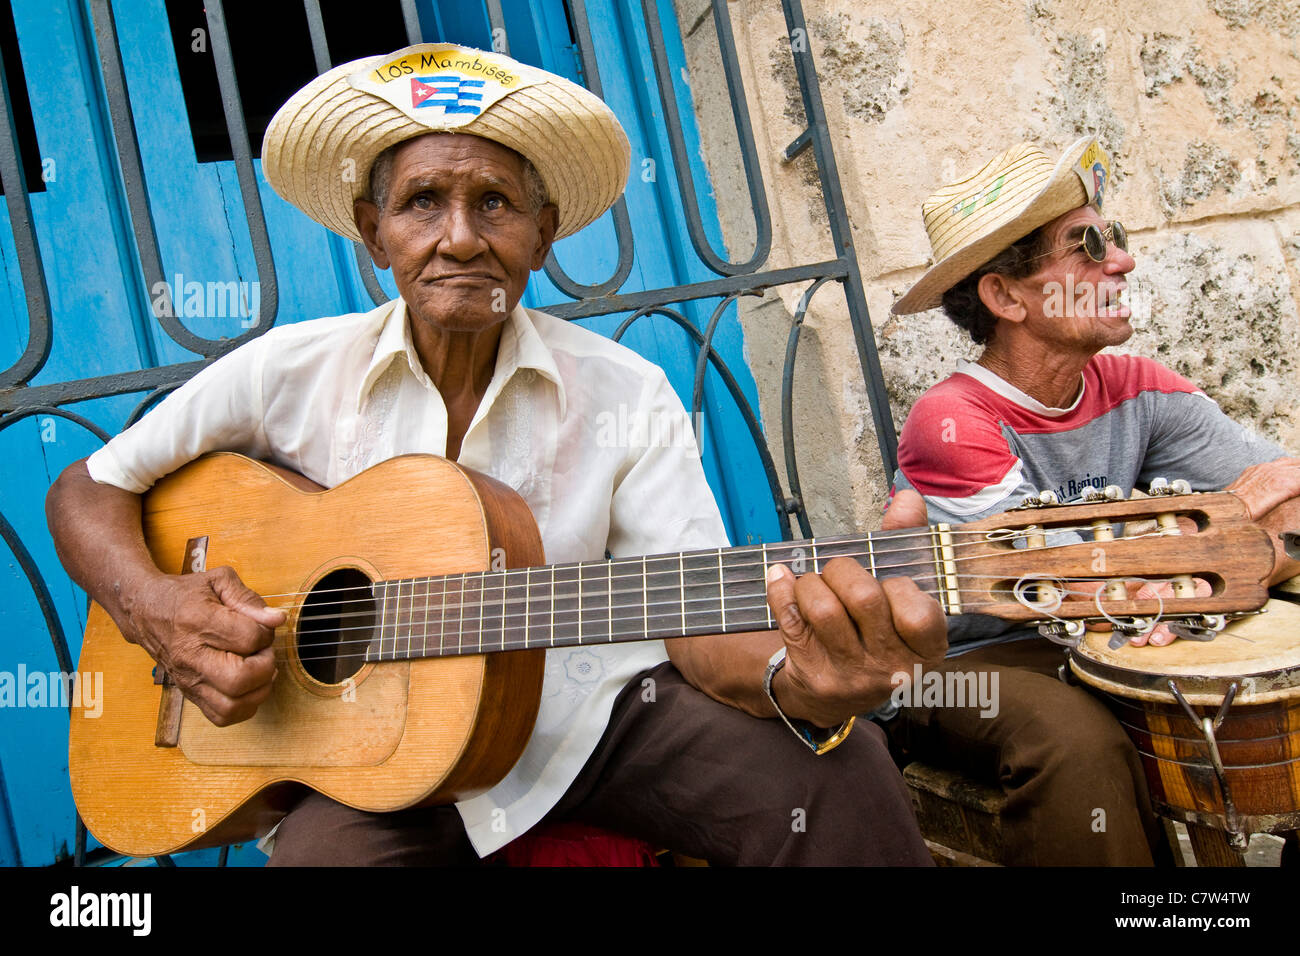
[{"x": 1197, "y": 100}]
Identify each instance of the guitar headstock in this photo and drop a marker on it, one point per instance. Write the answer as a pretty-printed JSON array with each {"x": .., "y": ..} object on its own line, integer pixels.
[{"x": 1054, "y": 563}]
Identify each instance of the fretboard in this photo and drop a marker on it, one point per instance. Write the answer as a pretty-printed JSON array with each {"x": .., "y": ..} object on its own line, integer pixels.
[{"x": 624, "y": 599}]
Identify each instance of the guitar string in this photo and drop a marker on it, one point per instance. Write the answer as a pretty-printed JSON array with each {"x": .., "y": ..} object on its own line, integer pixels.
[
  {"x": 1090, "y": 597},
  {"x": 810, "y": 544},
  {"x": 598, "y": 578}
]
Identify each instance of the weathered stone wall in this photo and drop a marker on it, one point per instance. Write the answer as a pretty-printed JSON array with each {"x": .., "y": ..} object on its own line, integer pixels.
[{"x": 1197, "y": 100}]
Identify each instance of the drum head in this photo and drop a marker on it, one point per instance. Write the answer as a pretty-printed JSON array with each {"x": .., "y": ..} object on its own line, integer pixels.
[{"x": 1260, "y": 653}]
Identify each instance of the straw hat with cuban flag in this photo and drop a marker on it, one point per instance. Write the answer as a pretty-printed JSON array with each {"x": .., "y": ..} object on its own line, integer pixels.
[
  {"x": 971, "y": 221},
  {"x": 321, "y": 144}
]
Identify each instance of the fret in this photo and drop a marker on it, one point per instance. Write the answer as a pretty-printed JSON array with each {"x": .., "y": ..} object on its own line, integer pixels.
[
  {"x": 491, "y": 610},
  {"x": 528, "y": 607},
  {"x": 722, "y": 592},
  {"x": 841, "y": 546},
  {"x": 442, "y": 619},
  {"x": 594, "y": 600},
  {"x": 628, "y": 613},
  {"x": 426, "y": 587},
  {"x": 514, "y": 609},
  {"x": 402, "y": 639},
  {"x": 816, "y": 568},
  {"x": 609, "y": 591},
  {"x": 771, "y": 624},
  {"x": 380, "y": 591},
  {"x": 744, "y": 584},
  {"x": 937, "y": 551},
  {"x": 478, "y": 600},
  {"x": 703, "y": 595},
  {"x": 949, "y": 591},
  {"x": 664, "y": 614},
  {"x": 540, "y": 623},
  {"x": 681, "y": 575},
  {"x": 462, "y": 645},
  {"x": 871, "y": 555},
  {"x": 905, "y": 554},
  {"x": 565, "y": 623},
  {"x": 645, "y": 600}
]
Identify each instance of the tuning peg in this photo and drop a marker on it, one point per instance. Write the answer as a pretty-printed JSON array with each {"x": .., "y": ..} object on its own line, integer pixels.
[
  {"x": 1180, "y": 486},
  {"x": 1159, "y": 486},
  {"x": 1109, "y": 493}
]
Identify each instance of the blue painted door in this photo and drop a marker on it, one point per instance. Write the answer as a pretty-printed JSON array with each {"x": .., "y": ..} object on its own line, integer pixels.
[{"x": 103, "y": 323}]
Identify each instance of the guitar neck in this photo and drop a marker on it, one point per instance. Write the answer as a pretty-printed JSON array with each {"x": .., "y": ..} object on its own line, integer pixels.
[{"x": 717, "y": 591}]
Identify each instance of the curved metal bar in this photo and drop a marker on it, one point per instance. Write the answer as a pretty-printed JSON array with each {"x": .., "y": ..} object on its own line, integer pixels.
[
  {"x": 43, "y": 597},
  {"x": 701, "y": 360},
  {"x": 268, "y": 300},
  {"x": 497, "y": 21},
  {"x": 27, "y": 411},
  {"x": 79, "y": 841},
  {"x": 622, "y": 269},
  {"x": 148, "y": 401},
  {"x": 842, "y": 235},
  {"x": 320, "y": 52},
  {"x": 677, "y": 144},
  {"x": 787, "y": 404},
  {"x": 742, "y": 403},
  {"x": 622, "y": 223},
  {"x": 27, "y": 246},
  {"x": 320, "y": 49},
  {"x": 368, "y": 278},
  {"x": 411, "y": 17},
  {"x": 133, "y": 179}
]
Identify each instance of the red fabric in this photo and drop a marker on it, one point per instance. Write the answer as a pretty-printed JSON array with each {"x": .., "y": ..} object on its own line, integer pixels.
[{"x": 573, "y": 844}]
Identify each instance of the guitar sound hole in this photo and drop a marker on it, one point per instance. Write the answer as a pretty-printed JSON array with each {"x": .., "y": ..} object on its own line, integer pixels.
[{"x": 336, "y": 626}]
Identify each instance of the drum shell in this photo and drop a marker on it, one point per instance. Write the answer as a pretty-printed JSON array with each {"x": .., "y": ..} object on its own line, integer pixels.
[
  {"x": 1257, "y": 739},
  {"x": 1259, "y": 746}
]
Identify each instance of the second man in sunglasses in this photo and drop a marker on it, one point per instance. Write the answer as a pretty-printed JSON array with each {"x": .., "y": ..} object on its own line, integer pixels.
[{"x": 1027, "y": 265}]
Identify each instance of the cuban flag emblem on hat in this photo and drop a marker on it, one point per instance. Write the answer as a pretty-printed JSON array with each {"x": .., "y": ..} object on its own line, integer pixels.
[{"x": 455, "y": 94}]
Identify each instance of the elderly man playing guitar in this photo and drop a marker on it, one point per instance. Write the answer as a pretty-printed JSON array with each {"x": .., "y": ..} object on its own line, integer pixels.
[
  {"x": 1025, "y": 263},
  {"x": 458, "y": 169}
]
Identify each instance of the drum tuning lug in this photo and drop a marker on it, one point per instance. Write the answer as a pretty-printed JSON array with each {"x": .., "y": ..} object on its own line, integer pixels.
[
  {"x": 1125, "y": 629},
  {"x": 1291, "y": 540},
  {"x": 1203, "y": 627},
  {"x": 1068, "y": 633}
]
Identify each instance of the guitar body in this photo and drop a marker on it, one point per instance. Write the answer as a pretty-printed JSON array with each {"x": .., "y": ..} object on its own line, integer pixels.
[{"x": 391, "y": 735}]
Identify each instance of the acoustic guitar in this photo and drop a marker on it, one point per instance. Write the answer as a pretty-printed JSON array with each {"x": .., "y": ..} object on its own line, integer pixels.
[{"x": 420, "y": 608}]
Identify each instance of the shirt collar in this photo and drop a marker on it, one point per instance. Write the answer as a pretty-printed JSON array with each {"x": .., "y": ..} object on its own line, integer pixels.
[
  {"x": 1008, "y": 391},
  {"x": 521, "y": 347}
]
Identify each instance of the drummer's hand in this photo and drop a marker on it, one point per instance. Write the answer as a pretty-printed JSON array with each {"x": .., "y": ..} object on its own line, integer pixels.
[
  {"x": 1161, "y": 635},
  {"x": 1263, "y": 487}
]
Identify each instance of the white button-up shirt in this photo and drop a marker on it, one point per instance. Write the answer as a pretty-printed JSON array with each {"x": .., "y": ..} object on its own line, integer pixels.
[{"x": 590, "y": 434}]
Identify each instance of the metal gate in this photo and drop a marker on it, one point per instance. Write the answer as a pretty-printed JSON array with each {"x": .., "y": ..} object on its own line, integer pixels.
[{"x": 135, "y": 182}]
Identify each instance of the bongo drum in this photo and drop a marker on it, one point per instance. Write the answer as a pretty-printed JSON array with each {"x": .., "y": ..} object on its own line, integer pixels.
[{"x": 1217, "y": 723}]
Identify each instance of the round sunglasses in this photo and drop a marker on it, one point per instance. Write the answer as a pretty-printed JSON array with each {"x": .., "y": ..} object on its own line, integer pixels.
[{"x": 1094, "y": 241}]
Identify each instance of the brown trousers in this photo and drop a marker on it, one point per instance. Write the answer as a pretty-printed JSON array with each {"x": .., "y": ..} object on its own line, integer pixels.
[
  {"x": 1076, "y": 792},
  {"x": 682, "y": 772}
]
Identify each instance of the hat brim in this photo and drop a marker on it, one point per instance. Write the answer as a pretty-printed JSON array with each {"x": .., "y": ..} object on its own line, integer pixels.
[
  {"x": 320, "y": 145},
  {"x": 1061, "y": 193}
]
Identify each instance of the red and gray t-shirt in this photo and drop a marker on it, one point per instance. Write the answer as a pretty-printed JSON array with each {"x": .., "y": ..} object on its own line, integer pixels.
[{"x": 974, "y": 445}]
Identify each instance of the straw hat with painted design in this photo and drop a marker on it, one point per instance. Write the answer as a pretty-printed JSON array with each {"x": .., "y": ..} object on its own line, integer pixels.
[
  {"x": 320, "y": 146},
  {"x": 971, "y": 221}
]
